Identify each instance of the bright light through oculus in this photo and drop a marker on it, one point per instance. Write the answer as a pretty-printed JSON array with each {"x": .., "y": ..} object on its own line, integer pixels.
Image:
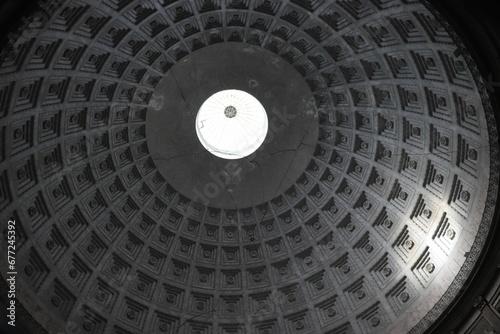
[{"x": 231, "y": 124}]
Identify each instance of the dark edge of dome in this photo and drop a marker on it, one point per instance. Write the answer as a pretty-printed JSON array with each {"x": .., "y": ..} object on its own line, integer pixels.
[
  {"x": 479, "y": 248},
  {"x": 16, "y": 15},
  {"x": 24, "y": 320}
]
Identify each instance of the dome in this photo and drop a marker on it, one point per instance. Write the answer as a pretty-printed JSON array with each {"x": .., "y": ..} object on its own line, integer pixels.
[{"x": 242, "y": 166}]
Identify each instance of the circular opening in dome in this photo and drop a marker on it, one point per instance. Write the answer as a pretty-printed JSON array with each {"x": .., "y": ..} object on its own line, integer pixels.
[{"x": 231, "y": 124}]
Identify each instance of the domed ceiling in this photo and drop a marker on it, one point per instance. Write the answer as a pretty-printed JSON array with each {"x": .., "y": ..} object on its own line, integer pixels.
[{"x": 363, "y": 211}]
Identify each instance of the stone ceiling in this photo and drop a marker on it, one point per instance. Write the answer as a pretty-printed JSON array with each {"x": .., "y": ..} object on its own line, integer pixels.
[{"x": 375, "y": 223}]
